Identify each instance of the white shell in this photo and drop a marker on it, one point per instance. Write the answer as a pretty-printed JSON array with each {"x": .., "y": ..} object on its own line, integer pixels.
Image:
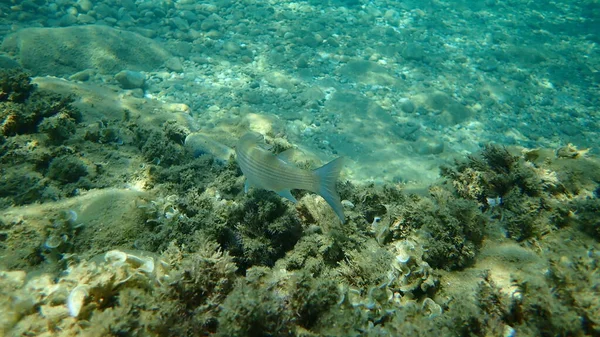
[
  {"x": 53, "y": 241},
  {"x": 430, "y": 308},
  {"x": 146, "y": 263},
  {"x": 404, "y": 249},
  {"x": 493, "y": 202},
  {"x": 115, "y": 257},
  {"x": 75, "y": 300}
]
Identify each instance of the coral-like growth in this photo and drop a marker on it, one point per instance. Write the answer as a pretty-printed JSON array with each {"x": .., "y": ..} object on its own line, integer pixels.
[
  {"x": 498, "y": 175},
  {"x": 158, "y": 149},
  {"x": 102, "y": 292},
  {"x": 452, "y": 228},
  {"x": 25, "y": 117},
  {"x": 456, "y": 228},
  {"x": 67, "y": 169},
  {"x": 15, "y": 86},
  {"x": 254, "y": 309},
  {"x": 586, "y": 215},
  {"x": 264, "y": 228},
  {"x": 196, "y": 288},
  {"x": 58, "y": 127}
]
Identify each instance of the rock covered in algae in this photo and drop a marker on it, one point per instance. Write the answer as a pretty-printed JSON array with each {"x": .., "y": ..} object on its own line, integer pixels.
[
  {"x": 80, "y": 293},
  {"x": 200, "y": 144},
  {"x": 42, "y": 50}
]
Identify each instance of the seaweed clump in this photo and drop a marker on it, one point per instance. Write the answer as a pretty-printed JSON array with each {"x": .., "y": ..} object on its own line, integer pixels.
[
  {"x": 34, "y": 127},
  {"x": 15, "y": 86},
  {"x": 254, "y": 309},
  {"x": 450, "y": 228},
  {"x": 498, "y": 178},
  {"x": 455, "y": 230},
  {"x": 197, "y": 287},
  {"x": 160, "y": 148},
  {"x": 264, "y": 229},
  {"x": 24, "y": 110},
  {"x": 586, "y": 214}
]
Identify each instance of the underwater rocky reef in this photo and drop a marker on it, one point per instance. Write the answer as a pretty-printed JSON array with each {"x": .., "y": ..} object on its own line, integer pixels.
[{"x": 115, "y": 228}]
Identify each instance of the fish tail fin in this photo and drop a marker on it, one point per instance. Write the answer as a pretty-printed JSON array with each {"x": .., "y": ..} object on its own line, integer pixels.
[{"x": 327, "y": 176}]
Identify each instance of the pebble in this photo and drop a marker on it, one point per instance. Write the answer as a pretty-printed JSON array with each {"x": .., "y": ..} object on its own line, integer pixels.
[
  {"x": 407, "y": 106},
  {"x": 8, "y": 63},
  {"x": 67, "y": 20},
  {"x": 82, "y": 76},
  {"x": 174, "y": 64},
  {"x": 177, "y": 107},
  {"x": 425, "y": 146},
  {"x": 199, "y": 144},
  {"x": 130, "y": 79},
  {"x": 180, "y": 24},
  {"x": 85, "y": 19}
]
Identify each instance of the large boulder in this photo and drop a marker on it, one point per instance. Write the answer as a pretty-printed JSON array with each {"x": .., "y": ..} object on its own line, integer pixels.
[{"x": 65, "y": 51}]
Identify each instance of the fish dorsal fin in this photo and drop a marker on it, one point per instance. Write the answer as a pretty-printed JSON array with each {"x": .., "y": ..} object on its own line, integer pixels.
[
  {"x": 287, "y": 156},
  {"x": 265, "y": 146}
]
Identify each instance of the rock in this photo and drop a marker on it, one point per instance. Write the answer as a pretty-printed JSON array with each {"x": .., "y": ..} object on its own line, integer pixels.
[
  {"x": 67, "y": 20},
  {"x": 130, "y": 79},
  {"x": 426, "y": 146},
  {"x": 85, "y": 5},
  {"x": 414, "y": 52},
  {"x": 211, "y": 22},
  {"x": 137, "y": 93},
  {"x": 85, "y": 19},
  {"x": 199, "y": 144},
  {"x": 407, "y": 106},
  {"x": 459, "y": 112},
  {"x": 65, "y": 51},
  {"x": 180, "y": 24},
  {"x": 105, "y": 11},
  {"x": 82, "y": 76},
  {"x": 8, "y": 63},
  {"x": 174, "y": 64}
]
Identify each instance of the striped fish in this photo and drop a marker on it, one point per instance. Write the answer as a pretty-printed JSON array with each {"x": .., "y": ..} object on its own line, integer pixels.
[{"x": 265, "y": 170}]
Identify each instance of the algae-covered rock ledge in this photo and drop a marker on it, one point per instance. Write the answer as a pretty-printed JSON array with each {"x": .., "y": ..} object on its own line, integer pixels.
[{"x": 165, "y": 241}]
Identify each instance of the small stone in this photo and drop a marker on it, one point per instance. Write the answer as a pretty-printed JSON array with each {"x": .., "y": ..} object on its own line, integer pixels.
[
  {"x": 84, "y": 5},
  {"x": 137, "y": 93},
  {"x": 130, "y": 79},
  {"x": 174, "y": 64},
  {"x": 72, "y": 11},
  {"x": 8, "y": 63},
  {"x": 82, "y": 76},
  {"x": 67, "y": 20},
  {"x": 231, "y": 48},
  {"x": 390, "y": 14},
  {"x": 177, "y": 107},
  {"x": 414, "y": 52},
  {"x": 426, "y": 146},
  {"x": 189, "y": 16},
  {"x": 180, "y": 24},
  {"x": 253, "y": 97},
  {"x": 211, "y": 23},
  {"x": 407, "y": 106},
  {"x": 85, "y": 19}
]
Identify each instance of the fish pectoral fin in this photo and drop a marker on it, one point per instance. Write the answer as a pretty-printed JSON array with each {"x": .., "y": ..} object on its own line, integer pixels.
[
  {"x": 247, "y": 186},
  {"x": 288, "y": 195}
]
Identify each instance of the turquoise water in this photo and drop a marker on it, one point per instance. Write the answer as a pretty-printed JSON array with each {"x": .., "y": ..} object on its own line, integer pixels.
[{"x": 470, "y": 185}]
